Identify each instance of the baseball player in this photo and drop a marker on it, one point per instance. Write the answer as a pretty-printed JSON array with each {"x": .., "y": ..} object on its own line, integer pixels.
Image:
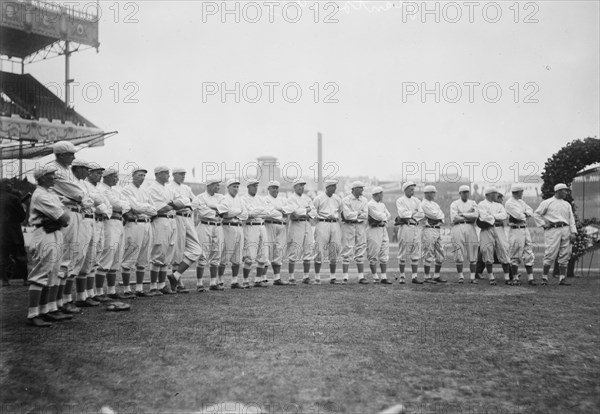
[
  {"x": 85, "y": 241},
  {"x": 354, "y": 231},
  {"x": 555, "y": 216},
  {"x": 519, "y": 239},
  {"x": 102, "y": 212},
  {"x": 71, "y": 195},
  {"x": 232, "y": 209},
  {"x": 255, "y": 235},
  {"x": 299, "y": 237},
  {"x": 410, "y": 214},
  {"x": 137, "y": 231},
  {"x": 433, "y": 253},
  {"x": 493, "y": 237},
  {"x": 187, "y": 245},
  {"x": 378, "y": 242},
  {"x": 46, "y": 213},
  {"x": 210, "y": 234},
  {"x": 463, "y": 215},
  {"x": 164, "y": 230},
  {"x": 109, "y": 258},
  {"x": 275, "y": 224},
  {"x": 328, "y": 234}
]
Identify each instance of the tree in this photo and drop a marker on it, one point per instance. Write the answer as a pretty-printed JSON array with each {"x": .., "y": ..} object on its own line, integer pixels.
[{"x": 562, "y": 167}]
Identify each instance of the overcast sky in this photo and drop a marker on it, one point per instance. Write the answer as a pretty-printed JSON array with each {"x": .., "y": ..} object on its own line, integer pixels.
[{"x": 372, "y": 59}]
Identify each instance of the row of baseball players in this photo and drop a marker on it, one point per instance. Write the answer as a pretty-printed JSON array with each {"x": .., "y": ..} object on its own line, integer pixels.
[{"x": 96, "y": 230}]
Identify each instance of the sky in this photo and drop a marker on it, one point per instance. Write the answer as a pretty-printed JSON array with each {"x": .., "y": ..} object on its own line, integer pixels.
[{"x": 514, "y": 85}]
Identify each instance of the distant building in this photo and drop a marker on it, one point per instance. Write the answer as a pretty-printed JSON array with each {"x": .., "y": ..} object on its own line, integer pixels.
[{"x": 586, "y": 192}]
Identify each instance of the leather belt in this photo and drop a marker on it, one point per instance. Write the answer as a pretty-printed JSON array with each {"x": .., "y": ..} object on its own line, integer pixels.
[
  {"x": 516, "y": 226},
  {"x": 164, "y": 216},
  {"x": 557, "y": 225},
  {"x": 301, "y": 219},
  {"x": 328, "y": 220},
  {"x": 184, "y": 213},
  {"x": 351, "y": 221},
  {"x": 233, "y": 224},
  {"x": 274, "y": 222},
  {"x": 460, "y": 222},
  {"x": 75, "y": 209},
  {"x": 379, "y": 225},
  {"x": 498, "y": 224},
  {"x": 87, "y": 215},
  {"x": 100, "y": 217},
  {"x": 255, "y": 224},
  {"x": 210, "y": 223},
  {"x": 116, "y": 216},
  {"x": 429, "y": 226},
  {"x": 139, "y": 220},
  {"x": 409, "y": 224}
]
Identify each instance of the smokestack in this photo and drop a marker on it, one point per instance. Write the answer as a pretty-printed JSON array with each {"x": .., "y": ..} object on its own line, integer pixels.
[{"x": 320, "y": 162}]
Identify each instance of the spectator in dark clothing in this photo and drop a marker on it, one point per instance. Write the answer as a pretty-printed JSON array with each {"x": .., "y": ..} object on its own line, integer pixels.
[{"x": 12, "y": 245}]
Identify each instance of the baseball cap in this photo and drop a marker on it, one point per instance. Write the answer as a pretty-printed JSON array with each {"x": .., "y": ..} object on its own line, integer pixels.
[
  {"x": 161, "y": 168},
  {"x": 213, "y": 181},
  {"x": 110, "y": 171},
  {"x": 179, "y": 170},
  {"x": 376, "y": 190},
  {"x": 61, "y": 147},
  {"x": 93, "y": 166},
  {"x": 232, "y": 181},
  {"x": 330, "y": 182},
  {"x": 560, "y": 186},
  {"x": 140, "y": 169},
  {"x": 490, "y": 190},
  {"x": 357, "y": 184},
  {"x": 516, "y": 188},
  {"x": 80, "y": 163},
  {"x": 273, "y": 183},
  {"x": 299, "y": 181},
  {"x": 464, "y": 188},
  {"x": 45, "y": 170},
  {"x": 407, "y": 184},
  {"x": 430, "y": 189},
  {"x": 251, "y": 181}
]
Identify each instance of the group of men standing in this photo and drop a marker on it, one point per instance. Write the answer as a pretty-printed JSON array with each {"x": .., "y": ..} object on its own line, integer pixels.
[{"x": 87, "y": 230}]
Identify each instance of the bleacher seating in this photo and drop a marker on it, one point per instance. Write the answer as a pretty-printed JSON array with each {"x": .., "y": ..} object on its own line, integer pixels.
[{"x": 32, "y": 100}]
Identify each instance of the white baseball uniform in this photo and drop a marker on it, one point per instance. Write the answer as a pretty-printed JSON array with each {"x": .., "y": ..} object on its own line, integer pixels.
[
  {"x": 433, "y": 251},
  {"x": 163, "y": 225},
  {"x": 494, "y": 238},
  {"x": 559, "y": 215},
  {"x": 378, "y": 242},
  {"x": 299, "y": 233},
  {"x": 234, "y": 213},
  {"x": 328, "y": 234},
  {"x": 112, "y": 249},
  {"x": 209, "y": 228},
  {"x": 354, "y": 228},
  {"x": 101, "y": 211},
  {"x": 275, "y": 224},
  {"x": 255, "y": 233},
  {"x": 519, "y": 238},
  {"x": 409, "y": 235},
  {"x": 137, "y": 234},
  {"x": 187, "y": 245},
  {"x": 463, "y": 234}
]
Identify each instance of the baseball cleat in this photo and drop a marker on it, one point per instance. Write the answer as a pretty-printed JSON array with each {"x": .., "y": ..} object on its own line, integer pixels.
[
  {"x": 363, "y": 282},
  {"x": 544, "y": 282},
  {"x": 461, "y": 280},
  {"x": 182, "y": 289},
  {"x": 88, "y": 303},
  {"x": 334, "y": 282},
  {"x": 385, "y": 282},
  {"x": 216, "y": 287},
  {"x": 142, "y": 294},
  {"x": 416, "y": 281},
  {"x": 38, "y": 322},
  {"x": 117, "y": 296},
  {"x": 429, "y": 280},
  {"x": 56, "y": 316},
  {"x": 376, "y": 281},
  {"x": 492, "y": 282},
  {"x": 199, "y": 288},
  {"x": 402, "y": 281},
  {"x": 292, "y": 282},
  {"x": 261, "y": 284},
  {"x": 307, "y": 281},
  {"x": 101, "y": 298},
  {"x": 440, "y": 280},
  {"x": 69, "y": 308},
  {"x": 317, "y": 281},
  {"x": 172, "y": 282},
  {"x": 531, "y": 282},
  {"x": 345, "y": 281},
  {"x": 564, "y": 283},
  {"x": 166, "y": 291},
  {"x": 474, "y": 281},
  {"x": 155, "y": 292},
  {"x": 279, "y": 282},
  {"x": 237, "y": 286}
]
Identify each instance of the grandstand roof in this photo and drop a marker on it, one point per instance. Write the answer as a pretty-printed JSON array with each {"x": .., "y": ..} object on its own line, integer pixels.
[{"x": 16, "y": 43}]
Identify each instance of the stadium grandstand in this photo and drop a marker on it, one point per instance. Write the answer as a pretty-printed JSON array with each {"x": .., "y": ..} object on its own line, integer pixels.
[{"x": 32, "y": 117}]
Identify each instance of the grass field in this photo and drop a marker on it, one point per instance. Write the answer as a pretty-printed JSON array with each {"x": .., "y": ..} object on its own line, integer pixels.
[{"x": 313, "y": 349}]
